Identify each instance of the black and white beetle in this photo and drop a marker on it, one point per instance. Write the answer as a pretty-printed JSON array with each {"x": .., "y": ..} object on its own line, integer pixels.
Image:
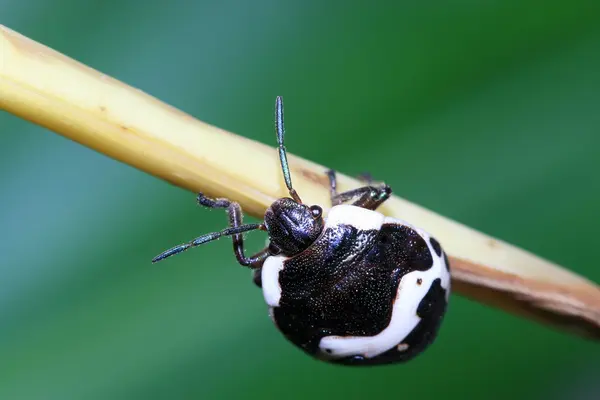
[{"x": 355, "y": 288}]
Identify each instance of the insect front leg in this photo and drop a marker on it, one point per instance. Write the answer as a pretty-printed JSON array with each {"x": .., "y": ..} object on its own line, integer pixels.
[{"x": 235, "y": 220}]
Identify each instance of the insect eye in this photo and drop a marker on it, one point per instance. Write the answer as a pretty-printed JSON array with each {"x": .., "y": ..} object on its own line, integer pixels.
[{"x": 316, "y": 211}]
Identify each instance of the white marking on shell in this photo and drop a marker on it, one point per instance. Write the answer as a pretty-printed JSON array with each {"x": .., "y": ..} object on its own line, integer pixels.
[
  {"x": 360, "y": 218},
  {"x": 270, "y": 279},
  {"x": 404, "y": 313},
  {"x": 402, "y": 347}
]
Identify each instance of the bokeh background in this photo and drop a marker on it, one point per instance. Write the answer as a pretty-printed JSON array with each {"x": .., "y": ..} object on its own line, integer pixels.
[{"x": 485, "y": 111}]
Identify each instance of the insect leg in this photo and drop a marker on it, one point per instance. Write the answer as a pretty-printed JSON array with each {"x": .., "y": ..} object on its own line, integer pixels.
[
  {"x": 353, "y": 194},
  {"x": 369, "y": 196},
  {"x": 373, "y": 197},
  {"x": 364, "y": 177},
  {"x": 235, "y": 220},
  {"x": 332, "y": 184}
]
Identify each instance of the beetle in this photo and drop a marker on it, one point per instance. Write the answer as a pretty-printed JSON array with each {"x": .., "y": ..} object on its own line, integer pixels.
[{"x": 353, "y": 288}]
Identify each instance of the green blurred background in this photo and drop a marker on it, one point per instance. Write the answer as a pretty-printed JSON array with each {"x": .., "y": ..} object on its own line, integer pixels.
[{"x": 485, "y": 111}]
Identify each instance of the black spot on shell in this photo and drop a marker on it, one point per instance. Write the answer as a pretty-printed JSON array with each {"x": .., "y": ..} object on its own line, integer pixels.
[
  {"x": 434, "y": 300},
  {"x": 436, "y": 246},
  {"x": 447, "y": 262}
]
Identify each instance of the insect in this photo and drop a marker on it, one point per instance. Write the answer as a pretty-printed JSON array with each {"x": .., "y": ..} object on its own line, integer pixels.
[{"x": 354, "y": 288}]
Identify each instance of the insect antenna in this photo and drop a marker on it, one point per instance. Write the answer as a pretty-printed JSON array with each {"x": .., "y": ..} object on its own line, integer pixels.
[
  {"x": 279, "y": 128},
  {"x": 205, "y": 239}
]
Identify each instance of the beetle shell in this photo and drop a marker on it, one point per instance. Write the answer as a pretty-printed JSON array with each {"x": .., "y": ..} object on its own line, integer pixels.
[{"x": 370, "y": 290}]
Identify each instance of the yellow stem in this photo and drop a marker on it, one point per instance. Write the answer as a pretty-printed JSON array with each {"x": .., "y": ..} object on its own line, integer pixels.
[{"x": 97, "y": 111}]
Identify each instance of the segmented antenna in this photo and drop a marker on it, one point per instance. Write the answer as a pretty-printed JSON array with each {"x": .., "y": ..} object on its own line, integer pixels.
[
  {"x": 282, "y": 155},
  {"x": 205, "y": 239}
]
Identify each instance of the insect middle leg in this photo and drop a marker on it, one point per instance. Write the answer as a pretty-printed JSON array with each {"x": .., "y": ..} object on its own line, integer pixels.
[
  {"x": 235, "y": 219},
  {"x": 369, "y": 197}
]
